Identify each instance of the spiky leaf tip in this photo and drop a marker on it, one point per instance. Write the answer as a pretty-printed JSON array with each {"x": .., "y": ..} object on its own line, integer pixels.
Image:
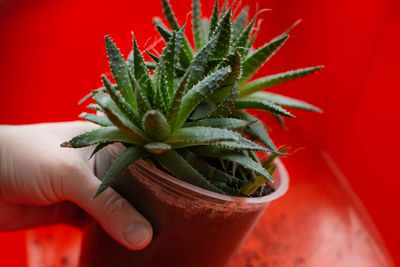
[
  {"x": 140, "y": 71},
  {"x": 214, "y": 21},
  {"x": 272, "y": 80},
  {"x": 251, "y": 64},
  {"x": 196, "y": 22},
  {"x": 119, "y": 70},
  {"x": 283, "y": 101},
  {"x": 224, "y": 30}
]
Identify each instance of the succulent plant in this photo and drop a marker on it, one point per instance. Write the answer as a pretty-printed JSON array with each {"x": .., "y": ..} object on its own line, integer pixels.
[
  {"x": 235, "y": 48},
  {"x": 183, "y": 113}
]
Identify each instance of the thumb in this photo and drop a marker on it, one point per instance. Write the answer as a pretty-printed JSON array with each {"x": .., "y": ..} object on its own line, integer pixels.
[{"x": 115, "y": 214}]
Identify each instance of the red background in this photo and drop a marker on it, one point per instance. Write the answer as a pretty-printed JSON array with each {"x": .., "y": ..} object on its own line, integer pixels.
[{"x": 52, "y": 53}]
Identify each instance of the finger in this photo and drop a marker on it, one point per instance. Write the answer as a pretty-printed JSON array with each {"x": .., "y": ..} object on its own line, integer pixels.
[
  {"x": 17, "y": 217},
  {"x": 117, "y": 217}
]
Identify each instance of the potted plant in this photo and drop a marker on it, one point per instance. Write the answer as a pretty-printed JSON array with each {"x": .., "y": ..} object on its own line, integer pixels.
[{"x": 174, "y": 140}]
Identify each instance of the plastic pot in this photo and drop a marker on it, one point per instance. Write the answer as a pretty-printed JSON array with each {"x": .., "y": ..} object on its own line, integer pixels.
[{"x": 192, "y": 226}]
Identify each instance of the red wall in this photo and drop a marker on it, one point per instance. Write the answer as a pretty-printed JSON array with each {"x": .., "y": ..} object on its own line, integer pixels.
[{"x": 52, "y": 53}]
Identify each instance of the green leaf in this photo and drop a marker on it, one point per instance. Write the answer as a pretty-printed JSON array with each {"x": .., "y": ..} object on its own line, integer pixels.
[
  {"x": 238, "y": 158},
  {"x": 196, "y": 22},
  {"x": 153, "y": 57},
  {"x": 224, "y": 123},
  {"x": 177, "y": 100},
  {"x": 155, "y": 125},
  {"x": 250, "y": 43},
  {"x": 240, "y": 22},
  {"x": 171, "y": 159},
  {"x": 150, "y": 65},
  {"x": 99, "y": 136},
  {"x": 226, "y": 107},
  {"x": 201, "y": 63},
  {"x": 271, "y": 80},
  {"x": 99, "y": 120},
  {"x": 242, "y": 40},
  {"x": 190, "y": 136},
  {"x": 99, "y": 147},
  {"x": 203, "y": 110},
  {"x": 224, "y": 31},
  {"x": 271, "y": 169},
  {"x": 120, "y": 101},
  {"x": 253, "y": 156},
  {"x": 283, "y": 101},
  {"x": 257, "y": 130},
  {"x": 130, "y": 155},
  {"x": 169, "y": 15},
  {"x": 242, "y": 144},
  {"x": 233, "y": 60},
  {"x": 263, "y": 105},
  {"x": 157, "y": 148},
  {"x": 205, "y": 29},
  {"x": 252, "y": 185},
  {"x": 224, "y": 7},
  {"x": 184, "y": 57},
  {"x": 119, "y": 70},
  {"x": 251, "y": 64},
  {"x": 142, "y": 101},
  {"x": 208, "y": 171},
  {"x": 95, "y": 107},
  {"x": 214, "y": 21},
  {"x": 198, "y": 93},
  {"x": 115, "y": 115},
  {"x": 160, "y": 101},
  {"x": 129, "y": 60},
  {"x": 91, "y": 94},
  {"x": 140, "y": 71},
  {"x": 165, "y": 70},
  {"x": 162, "y": 29}
]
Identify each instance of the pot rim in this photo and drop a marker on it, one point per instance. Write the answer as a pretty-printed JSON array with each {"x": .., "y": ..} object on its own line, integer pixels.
[{"x": 281, "y": 180}]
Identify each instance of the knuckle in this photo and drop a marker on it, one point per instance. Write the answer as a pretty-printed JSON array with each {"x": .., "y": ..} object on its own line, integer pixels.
[
  {"x": 69, "y": 173},
  {"x": 114, "y": 205}
]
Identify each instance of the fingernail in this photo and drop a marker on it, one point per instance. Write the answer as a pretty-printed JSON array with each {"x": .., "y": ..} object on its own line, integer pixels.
[{"x": 137, "y": 235}]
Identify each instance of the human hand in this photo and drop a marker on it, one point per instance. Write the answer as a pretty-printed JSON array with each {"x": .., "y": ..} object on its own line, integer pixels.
[{"x": 42, "y": 183}]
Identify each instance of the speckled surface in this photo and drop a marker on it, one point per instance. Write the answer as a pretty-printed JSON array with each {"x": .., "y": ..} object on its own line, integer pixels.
[{"x": 319, "y": 222}]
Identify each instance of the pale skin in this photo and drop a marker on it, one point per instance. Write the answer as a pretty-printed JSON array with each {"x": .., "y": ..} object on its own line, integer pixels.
[{"x": 42, "y": 184}]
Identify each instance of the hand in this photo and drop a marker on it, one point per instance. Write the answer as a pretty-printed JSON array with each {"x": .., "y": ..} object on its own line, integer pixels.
[{"x": 42, "y": 183}]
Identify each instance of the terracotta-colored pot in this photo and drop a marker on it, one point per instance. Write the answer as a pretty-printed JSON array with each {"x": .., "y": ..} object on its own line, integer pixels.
[{"x": 192, "y": 226}]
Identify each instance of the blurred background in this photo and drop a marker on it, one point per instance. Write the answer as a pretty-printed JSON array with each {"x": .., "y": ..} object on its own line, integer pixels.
[{"x": 52, "y": 53}]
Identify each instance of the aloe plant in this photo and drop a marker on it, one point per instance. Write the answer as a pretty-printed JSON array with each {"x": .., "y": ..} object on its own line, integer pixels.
[
  {"x": 183, "y": 112},
  {"x": 245, "y": 61}
]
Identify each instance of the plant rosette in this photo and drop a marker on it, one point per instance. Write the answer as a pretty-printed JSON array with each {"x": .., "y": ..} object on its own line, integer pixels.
[{"x": 176, "y": 142}]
